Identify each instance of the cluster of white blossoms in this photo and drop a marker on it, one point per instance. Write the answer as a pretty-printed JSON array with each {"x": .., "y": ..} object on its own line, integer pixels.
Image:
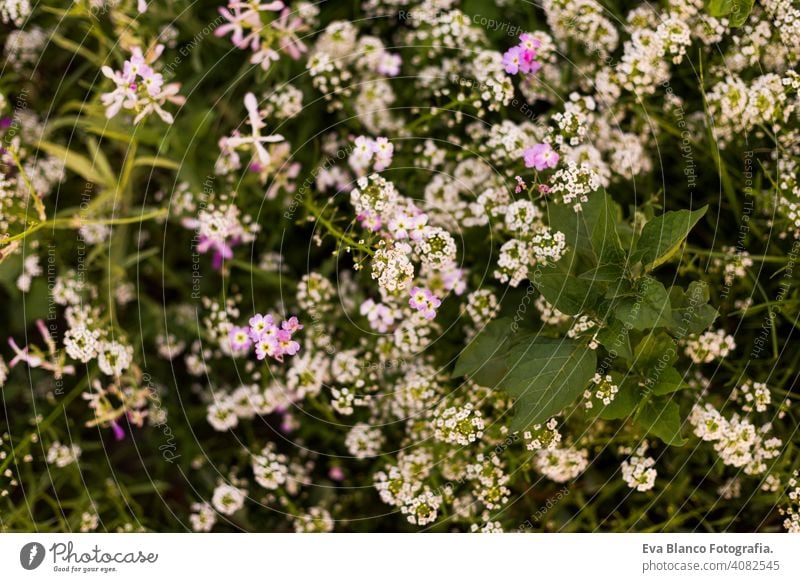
[
  {"x": 456, "y": 425},
  {"x": 754, "y": 396},
  {"x": 561, "y": 464},
  {"x": 228, "y": 499},
  {"x": 572, "y": 184},
  {"x": 63, "y": 455},
  {"x": 637, "y": 470},
  {"x": 15, "y": 11},
  {"x": 737, "y": 441},
  {"x": 792, "y": 508},
  {"x": 317, "y": 520},
  {"x": 604, "y": 390},
  {"x": 539, "y": 437},
  {"x": 364, "y": 441},
  {"x": 709, "y": 346},
  {"x": 741, "y": 107}
]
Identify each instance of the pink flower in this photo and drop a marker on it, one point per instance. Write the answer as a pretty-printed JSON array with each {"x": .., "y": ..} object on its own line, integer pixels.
[
  {"x": 541, "y": 156},
  {"x": 260, "y": 325},
  {"x": 240, "y": 339},
  {"x": 512, "y": 59},
  {"x": 425, "y": 301},
  {"x": 291, "y": 324}
]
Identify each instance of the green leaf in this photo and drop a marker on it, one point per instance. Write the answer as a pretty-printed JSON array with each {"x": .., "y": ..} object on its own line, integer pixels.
[
  {"x": 608, "y": 273},
  {"x": 624, "y": 402},
  {"x": 661, "y": 418},
  {"x": 603, "y": 217},
  {"x": 566, "y": 293},
  {"x": 545, "y": 376},
  {"x": 655, "y": 351},
  {"x": 691, "y": 313},
  {"x": 670, "y": 380},
  {"x": 662, "y": 237},
  {"x": 591, "y": 233},
  {"x": 737, "y": 11},
  {"x": 483, "y": 359},
  {"x": 615, "y": 338},
  {"x": 649, "y": 309}
]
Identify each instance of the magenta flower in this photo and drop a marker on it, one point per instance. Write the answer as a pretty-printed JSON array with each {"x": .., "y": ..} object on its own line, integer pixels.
[{"x": 541, "y": 156}]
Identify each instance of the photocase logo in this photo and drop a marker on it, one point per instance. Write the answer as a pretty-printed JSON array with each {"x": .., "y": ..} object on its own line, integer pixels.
[{"x": 31, "y": 555}]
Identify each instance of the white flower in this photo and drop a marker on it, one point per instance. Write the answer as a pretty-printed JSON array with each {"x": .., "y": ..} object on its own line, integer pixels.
[{"x": 228, "y": 499}]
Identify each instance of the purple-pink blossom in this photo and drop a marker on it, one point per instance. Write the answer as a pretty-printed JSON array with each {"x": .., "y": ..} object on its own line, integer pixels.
[
  {"x": 541, "y": 156},
  {"x": 270, "y": 339},
  {"x": 522, "y": 58},
  {"x": 425, "y": 301}
]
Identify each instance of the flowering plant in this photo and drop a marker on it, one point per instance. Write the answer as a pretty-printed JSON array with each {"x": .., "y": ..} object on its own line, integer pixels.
[{"x": 378, "y": 265}]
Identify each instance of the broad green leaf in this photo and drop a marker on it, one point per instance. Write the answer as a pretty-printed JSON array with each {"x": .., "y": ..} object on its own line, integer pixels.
[
  {"x": 603, "y": 219},
  {"x": 663, "y": 236},
  {"x": 608, "y": 273},
  {"x": 591, "y": 233},
  {"x": 615, "y": 338},
  {"x": 545, "y": 376},
  {"x": 655, "y": 351},
  {"x": 662, "y": 418},
  {"x": 670, "y": 380},
  {"x": 566, "y": 293},
  {"x": 691, "y": 313},
  {"x": 650, "y": 308},
  {"x": 624, "y": 403},
  {"x": 483, "y": 359}
]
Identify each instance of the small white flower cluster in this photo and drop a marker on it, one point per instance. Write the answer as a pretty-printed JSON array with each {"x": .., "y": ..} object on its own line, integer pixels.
[
  {"x": 710, "y": 346},
  {"x": 605, "y": 390},
  {"x": 734, "y": 266},
  {"x": 30, "y": 270},
  {"x": 458, "y": 425},
  {"x": 540, "y": 437},
  {"x": 739, "y": 107},
  {"x": 270, "y": 468},
  {"x": 490, "y": 481},
  {"x": 316, "y": 520},
  {"x": 561, "y": 464},
  {"x": 423, "y": 508},
  {"x": 63, "y": 455},
  {"x": 549, "y": 314},
  {"x": 792, "y": 509},
  {"x": 638, "y": 471},
  {"x": 571, "y": 185},
  {"x": 15, "y": 11},
  {"x": 203, "y": 517},
  {"x": 583, "y": 22},
  {"x": 392, "y": 267},
  {"x": 228, "y": 499},
  {"x": 364, "y": 441},
  {"x": 548, "y": 246},
  {"x": 516, "y": 257},
  {"x": 481, "y": 307},
  {"x": 285, "y": 102},
  {"x": 756, "y": 396},
  {"x": 737, "y": 441}
]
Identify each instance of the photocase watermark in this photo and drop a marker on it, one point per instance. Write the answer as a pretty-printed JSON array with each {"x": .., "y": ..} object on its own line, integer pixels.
[{"x": 31, "y": 555}]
